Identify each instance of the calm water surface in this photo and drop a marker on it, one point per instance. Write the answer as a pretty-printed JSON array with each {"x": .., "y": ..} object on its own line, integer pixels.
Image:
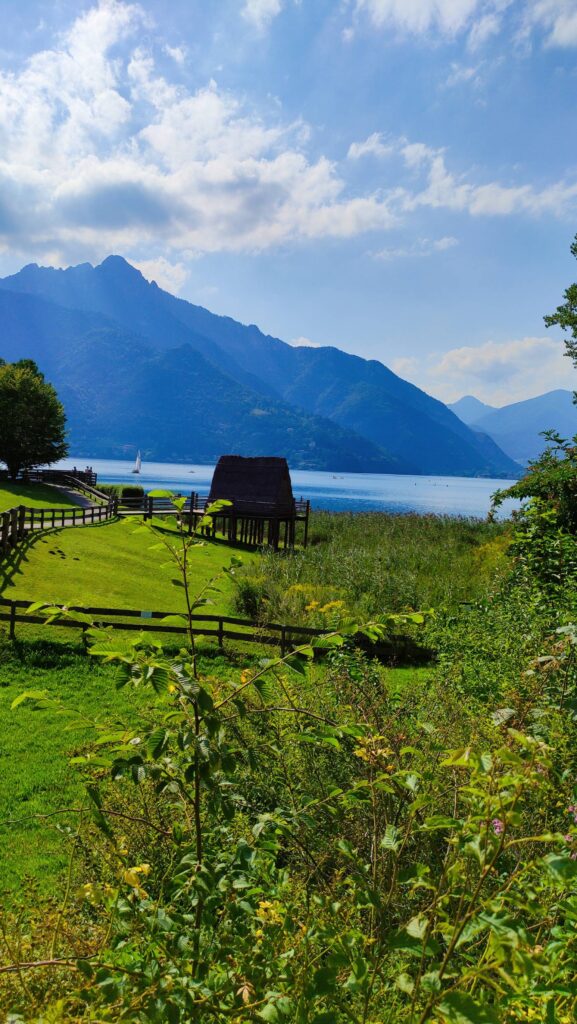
[{"x": 349, "y": 492}]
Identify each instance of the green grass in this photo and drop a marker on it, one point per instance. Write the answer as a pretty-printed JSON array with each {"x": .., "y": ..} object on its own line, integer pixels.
[
  {"x": 32, "y": 496},
  {"x": 377, "y": 563},
  {"x": 35, "y": 747},
  {"x": 111, "y": 565}
]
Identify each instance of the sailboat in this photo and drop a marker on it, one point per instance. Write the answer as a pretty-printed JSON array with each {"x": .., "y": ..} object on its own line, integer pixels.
[{"x": 138, "y": 463}]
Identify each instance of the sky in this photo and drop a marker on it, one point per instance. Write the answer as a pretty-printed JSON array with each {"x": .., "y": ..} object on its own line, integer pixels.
[{"x": 394, "y": 177}]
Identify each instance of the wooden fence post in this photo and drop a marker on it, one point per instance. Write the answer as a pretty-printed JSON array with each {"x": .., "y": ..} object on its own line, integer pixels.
[
  {"x": 12, "y": 628},
  {"x": 21, "y": 522},
  {"x": 4, "y": 532},
  {"x": 14, "y": 527}
]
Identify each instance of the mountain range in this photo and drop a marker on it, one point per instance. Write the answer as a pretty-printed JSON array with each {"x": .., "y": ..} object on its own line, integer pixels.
[
  {"x": 137, "y": 367},
  {"x": 518, "y": 428}
]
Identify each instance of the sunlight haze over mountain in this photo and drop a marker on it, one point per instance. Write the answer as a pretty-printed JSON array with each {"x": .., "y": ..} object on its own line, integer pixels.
[{"x": 397, "y": 178}]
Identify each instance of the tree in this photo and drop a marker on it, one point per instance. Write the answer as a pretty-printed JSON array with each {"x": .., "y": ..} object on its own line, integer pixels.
[
  {"x": 32, "y": 419},
  {"x": 565, "y": 316}
]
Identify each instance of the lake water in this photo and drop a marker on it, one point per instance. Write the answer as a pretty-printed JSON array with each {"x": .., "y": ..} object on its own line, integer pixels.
[{"x": 348, "y": 492}]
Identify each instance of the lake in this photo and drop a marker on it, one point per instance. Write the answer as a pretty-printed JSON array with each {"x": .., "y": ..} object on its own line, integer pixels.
[{"x": 343, "y": 492}]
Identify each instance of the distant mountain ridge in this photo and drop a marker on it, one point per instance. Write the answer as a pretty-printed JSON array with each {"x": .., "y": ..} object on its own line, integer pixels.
[
  {"x": 518, "y": 428},
  {"x": 138, "y": 367},
  {"x": 469, "y": 409}
]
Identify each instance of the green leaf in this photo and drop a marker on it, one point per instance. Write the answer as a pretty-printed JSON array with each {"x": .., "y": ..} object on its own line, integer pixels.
[
  {"x": 405, "y": 983},
  {"x": 161, "y": 494},
  {"x": 460, "y": 1008},
  {"x": 174, "y": 620},
  {"x": 563, "y": 869},
  {"x": 156, "y": 742},
  {"x": 268, "y": 1012},
  {"x": 391, "y": 840},
  {"x": 440, "y": 821},
  {"x": 28, "y": 695}
]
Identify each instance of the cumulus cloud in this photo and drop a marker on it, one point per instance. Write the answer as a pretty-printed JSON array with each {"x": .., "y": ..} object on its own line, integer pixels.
[
  {"x": 495, "y": 372},
  {"x": 100, "y": 152},
  {"x": 170, "y": 276}
]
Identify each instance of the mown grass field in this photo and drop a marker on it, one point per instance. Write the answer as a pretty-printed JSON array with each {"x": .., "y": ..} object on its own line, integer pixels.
[
  {"x": 111, "y": 565},
  {"x": 32, "y": 496}
]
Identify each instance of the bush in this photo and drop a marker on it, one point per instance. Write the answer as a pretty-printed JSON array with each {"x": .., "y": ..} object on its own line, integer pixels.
[{"x": 122, "y": 490}]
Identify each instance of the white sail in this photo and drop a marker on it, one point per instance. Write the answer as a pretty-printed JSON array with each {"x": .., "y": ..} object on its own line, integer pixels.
[{"x": 138, "y": 463}]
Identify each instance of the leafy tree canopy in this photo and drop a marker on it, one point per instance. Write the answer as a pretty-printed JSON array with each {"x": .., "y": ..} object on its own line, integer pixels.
[{"x": 32, "y": 419}]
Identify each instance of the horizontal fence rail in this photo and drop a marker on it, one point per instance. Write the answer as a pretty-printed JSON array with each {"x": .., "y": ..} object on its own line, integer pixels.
[{"x": 217, "y": 626}]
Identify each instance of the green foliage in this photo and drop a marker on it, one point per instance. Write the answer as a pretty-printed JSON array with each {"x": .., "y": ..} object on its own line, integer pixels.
[
  {"x": 122, "y": 490},
  {"x": 32, "y": 420},
  {"x": 300, "y": 839},
  {"x": 552, "y": 479},
  {"x": 565, "y": 316}
]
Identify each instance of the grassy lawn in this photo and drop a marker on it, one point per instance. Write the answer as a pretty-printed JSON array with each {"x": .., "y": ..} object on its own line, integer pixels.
[
  {"x": 111, "y": 565},
  {"x": 35, "y": 746},
  {"x": 32, "y": 496}
]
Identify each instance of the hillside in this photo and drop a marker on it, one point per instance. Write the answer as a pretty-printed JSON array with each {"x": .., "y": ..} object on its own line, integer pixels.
[
  {"x": 134, "y": 364},
  {"x": 469, "y": 409},
  {"x": 518, "y": 428}
]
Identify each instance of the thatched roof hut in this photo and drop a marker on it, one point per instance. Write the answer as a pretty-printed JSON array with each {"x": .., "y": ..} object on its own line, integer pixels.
[{"x": 259, "y": 486}]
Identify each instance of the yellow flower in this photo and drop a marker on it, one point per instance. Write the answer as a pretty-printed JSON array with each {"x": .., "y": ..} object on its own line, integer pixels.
[{"x": 244, "y": 676}]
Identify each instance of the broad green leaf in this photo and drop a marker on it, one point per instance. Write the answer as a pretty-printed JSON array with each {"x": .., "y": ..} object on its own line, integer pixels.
[
  {"x": 563, "y": 869},
  {"x": 460, "y": 1008},
  {"x": 174, "y": 620}
]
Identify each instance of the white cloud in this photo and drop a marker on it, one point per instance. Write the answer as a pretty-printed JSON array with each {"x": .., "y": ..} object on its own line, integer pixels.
[
  {"x": 373, "y": 146},
  {"x": 100, "y": 152},
  {"x": 170, "y": 276},
  {"x": 482, "y": 30},
  {"x": 305, "y": 343},
  {"x": 261, "y": 12},
  {"x": 177, "y": 53},
  {"x": 405, "y": 366},
  {"x": 495, "y": 372},
  {"x": 444, "y": 190},
  {"x": 557, "y": 18},
  {"x": 460, "y": 73},
  {"x": 422, "y": 247},
  {"x": 420, "y": 16}
]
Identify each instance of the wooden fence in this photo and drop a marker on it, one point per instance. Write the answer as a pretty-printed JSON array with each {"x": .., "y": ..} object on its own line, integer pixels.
[
  {"x": 17, "y": 523},
  {"x": 217, "y": 626},
  {"x": 256, "y": 527}
]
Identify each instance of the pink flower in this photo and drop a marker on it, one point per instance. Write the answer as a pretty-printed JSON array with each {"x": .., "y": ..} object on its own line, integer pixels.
[{"x": 498, "y": 826}]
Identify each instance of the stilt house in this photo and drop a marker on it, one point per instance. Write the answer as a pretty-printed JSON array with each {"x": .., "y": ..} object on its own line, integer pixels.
[{"x": 263, "y": 509}]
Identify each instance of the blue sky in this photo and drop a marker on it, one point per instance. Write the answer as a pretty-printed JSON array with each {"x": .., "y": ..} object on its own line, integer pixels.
[{"x": 394, "y": 177}]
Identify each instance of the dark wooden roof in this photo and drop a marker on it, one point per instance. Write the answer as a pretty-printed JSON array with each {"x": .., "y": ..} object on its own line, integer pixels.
[{"x": 261, "y": 486}]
